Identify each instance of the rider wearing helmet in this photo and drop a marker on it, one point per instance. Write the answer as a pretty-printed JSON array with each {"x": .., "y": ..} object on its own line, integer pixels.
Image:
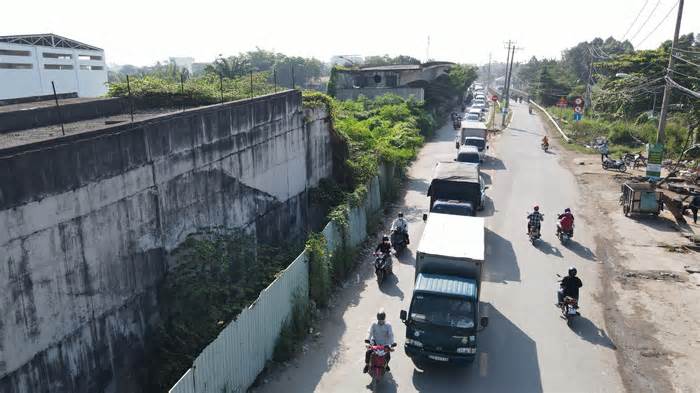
[
  {"x": 545, "y": 141},
  {"x": 566, "y": 222},
  {"x": 385, "y": 246},
  {"x": 534, "y": 220},
  {"x": 379, "y": 333},
  {"x": 569, "y": 286},
  {"x": 401, "y": 225}
]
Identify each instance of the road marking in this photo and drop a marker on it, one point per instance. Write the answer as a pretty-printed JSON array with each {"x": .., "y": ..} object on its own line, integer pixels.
[{"x": 483, "y": 363}]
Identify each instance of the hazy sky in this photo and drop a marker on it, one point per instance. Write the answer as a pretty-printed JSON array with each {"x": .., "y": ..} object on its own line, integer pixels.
[{"x": 142, "y": 32}]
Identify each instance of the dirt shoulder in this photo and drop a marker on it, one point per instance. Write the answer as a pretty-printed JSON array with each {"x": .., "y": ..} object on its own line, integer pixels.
[{"x": 650, "y": 299}]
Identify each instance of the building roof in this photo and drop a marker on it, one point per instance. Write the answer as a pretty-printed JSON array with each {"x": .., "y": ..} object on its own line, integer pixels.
[
  {"x": 453, "y": 236},
  {"x": 393, "y": 67},
  {"x": 452, "y": 285},
  {"x": 49, "y": 40}
]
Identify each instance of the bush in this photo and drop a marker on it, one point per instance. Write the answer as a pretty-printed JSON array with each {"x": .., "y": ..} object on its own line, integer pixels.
[
  {"x": 320, "y": 269},
  {"x": 293, "y": 330}
]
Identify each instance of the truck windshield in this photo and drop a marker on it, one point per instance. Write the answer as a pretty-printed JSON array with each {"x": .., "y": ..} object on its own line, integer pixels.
[
  {"x": 443, "y": 311},
  {"x": 468, "y": 157},
  {"x": 479, "y": 143}
]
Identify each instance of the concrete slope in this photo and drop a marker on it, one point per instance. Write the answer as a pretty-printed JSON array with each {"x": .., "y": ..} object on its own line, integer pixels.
[{"x": 527, "y": 347}]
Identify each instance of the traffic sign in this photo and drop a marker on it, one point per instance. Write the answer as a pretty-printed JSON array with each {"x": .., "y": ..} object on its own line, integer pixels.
[
  {"x": 578, "y": 101},
  {"x": 494, "y": 98},
  {"x": 578, "y": 109},
  {"x": 562, "y": 103}
]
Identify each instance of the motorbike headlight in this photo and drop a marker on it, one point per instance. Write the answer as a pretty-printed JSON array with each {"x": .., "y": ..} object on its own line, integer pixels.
[{"x": 413, "y": 342}]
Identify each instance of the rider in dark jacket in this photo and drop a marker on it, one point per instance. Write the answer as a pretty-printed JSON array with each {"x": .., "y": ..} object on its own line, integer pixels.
[
  {"x": 385, "y": 246},
  {"x": 569, "y": 286}
]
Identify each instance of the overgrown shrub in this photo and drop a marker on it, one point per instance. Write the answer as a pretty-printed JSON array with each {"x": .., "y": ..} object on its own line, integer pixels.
[
  {"x": 293, "y": 330},
  {"x": 320, "y": 269}
]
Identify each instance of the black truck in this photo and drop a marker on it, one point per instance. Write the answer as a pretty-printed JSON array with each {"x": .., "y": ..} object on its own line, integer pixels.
[{"x": 457, "y": 182}]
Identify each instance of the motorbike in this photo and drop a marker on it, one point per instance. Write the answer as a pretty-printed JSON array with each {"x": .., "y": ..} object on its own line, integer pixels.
[
  {"x": 619, "y": 165},
  {"x": 382, "y": 266},
  {"x": 569, "y": 309},
  {"x": 564, "y": 236},
  {"x": 398, "y": 240},
  {"x": 378, "y": 364},
  {"x": 545, "y": 147},
  {"x": 534, "y": 233},
  {"x": 634, "y": 160},
  {"x": 529, "y": 110}
]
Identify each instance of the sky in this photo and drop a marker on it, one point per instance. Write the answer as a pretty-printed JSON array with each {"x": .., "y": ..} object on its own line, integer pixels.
[{"x": 145, "y": 31}]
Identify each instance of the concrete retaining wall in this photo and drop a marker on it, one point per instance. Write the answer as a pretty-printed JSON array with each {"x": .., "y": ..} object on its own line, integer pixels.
[
  {"x": 88, "y": 221},
  {"x": 48, "y": 115}
]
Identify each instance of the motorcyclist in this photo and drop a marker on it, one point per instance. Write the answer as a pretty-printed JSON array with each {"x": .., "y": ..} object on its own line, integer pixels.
[
  {"x": 379, "y": 333},
  {"x": 384, "y": 247},
  {"x": 534, "y": 220},
  {"x": 529, "y": 108},
  {"x": 569, "y": 286},
  {"x": 401, "y": 225},
  {"x": 566, "y": 222},
  {"x": 545, "y": 141}
]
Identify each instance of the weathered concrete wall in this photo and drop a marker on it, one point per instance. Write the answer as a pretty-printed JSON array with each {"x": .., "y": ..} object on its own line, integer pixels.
[
  {"x": 48, "y": 114},
  {"x": 86, "y": 223}
]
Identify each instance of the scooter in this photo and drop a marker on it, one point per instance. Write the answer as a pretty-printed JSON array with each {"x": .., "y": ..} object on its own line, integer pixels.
[
  {"x": 545, "y": 147},
  {"x": 618, "y": 165},
  {"x": 533, "y": 232},
  {"x": 382, "y": 266},
  {"x": 569, "y": 307},
  {"x": 378, "y": 365},
  {"x": 398, "y": 241},
  {"x": 564, "y": 236}
]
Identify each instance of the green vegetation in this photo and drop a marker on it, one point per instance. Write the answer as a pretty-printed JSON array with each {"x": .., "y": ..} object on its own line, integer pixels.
[
  {"x": 626, "y": 94},
  {"x": 216, "y": 276},
  {"x": 293, "y": 330}
]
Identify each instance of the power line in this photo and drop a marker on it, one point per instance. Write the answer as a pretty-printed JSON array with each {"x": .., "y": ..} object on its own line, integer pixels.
[
  {"x": 682, "y": 88},
  {"x": 635, "y": 20},
  {"x": 646, "y": 20},
  {"x": 686, "y": 61},
  {"x": 685, "y": 75},
  {"x": 657, "y": 26},
  {"x": 695, "y": 52}
]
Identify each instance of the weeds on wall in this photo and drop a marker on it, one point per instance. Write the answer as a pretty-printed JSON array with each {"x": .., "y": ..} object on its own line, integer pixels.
[
  {"x": 320, "y": 269},
  {"x": 216, "y": 275},
  {"x": 293, "y": 330}
]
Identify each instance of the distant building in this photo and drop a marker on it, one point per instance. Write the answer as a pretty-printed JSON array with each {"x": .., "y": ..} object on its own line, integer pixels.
[
  {"x": 29, "y": 63},
  {"x": 405, "y": 80},
  {"x": 346, "y": 60},
  {"x": 183, "y": 62}
]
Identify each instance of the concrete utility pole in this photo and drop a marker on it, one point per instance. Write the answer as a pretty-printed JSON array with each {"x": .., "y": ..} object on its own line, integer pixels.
[
  {"x": 661, "y": 133},
  {"x": 488, "y": 77},
  {"x": 505, "y": 83},
  {"x": 506, "y": 87}
]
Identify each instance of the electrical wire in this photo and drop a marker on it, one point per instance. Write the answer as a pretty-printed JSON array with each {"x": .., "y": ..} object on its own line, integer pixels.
[
  {"x": 686, "y": 61},
  {"x": 685, "y": 75},
  {"x": 635, "y": 20},
  {"x": 646, "y": 20},
  {"x": 658, "y": 25},
  {"x": 694, "y": 52}
]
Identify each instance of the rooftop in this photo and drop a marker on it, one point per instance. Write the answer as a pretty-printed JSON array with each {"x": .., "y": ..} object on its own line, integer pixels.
[{"x": 50, "y": 40}]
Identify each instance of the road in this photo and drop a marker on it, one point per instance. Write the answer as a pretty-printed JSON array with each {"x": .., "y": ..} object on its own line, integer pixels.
[{"x": 527, "y": 347}]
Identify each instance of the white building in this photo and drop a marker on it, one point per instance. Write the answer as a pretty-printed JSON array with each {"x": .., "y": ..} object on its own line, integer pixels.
[
  {"x": 183, "y": 62},
  {"x": 29, "y": 63}
]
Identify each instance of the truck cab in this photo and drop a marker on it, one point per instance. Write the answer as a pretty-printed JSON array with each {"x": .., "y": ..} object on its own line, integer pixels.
[
  {"x": 477, "y": 142},
  {"x": 443, "y": 320}
]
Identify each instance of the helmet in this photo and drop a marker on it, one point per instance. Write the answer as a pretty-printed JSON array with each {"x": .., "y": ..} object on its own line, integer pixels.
[
  {"x": 572, "y": 271},
  {"x": 381, "y": 315},
  {"x": 567, "y": 210},
  {"x": 400, "y": 214},
  {"x": 537, "y": 208},
  {"x": 385, "y": 238}
]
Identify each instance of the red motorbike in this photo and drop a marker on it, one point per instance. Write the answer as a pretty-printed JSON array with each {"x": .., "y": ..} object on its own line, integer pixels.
[{"x": 378, "y": 364}]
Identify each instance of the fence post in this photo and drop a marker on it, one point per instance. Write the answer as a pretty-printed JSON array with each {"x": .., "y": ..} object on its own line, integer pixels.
[
  {"x": 221, "y": 87},
  {"x": 293, "y": 81},
  {"x": 131, "y": 99},
  {"x": 182, "y": 90},
  {"x": 274, "y": 77},
  {"x": 58, "y": 109},
  {"x": 251, "y": 83}
]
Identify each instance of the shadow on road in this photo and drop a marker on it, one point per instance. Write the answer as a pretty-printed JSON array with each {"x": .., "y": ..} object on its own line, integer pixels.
[
  {"x": 659, "y": 223},
  {"x": 491, "y": 162},
  {"x": 525, "y": 131},
  {"x": 581, "y": 250},
  {"x": 390, "y": 287},
  {"x": 548, "y": 248},
  {"x": 502, "y": 346},
  {"x": 587, "y": 330},
  {"x": 489, "y": 208},
  {"x": 503, "y": 264},
  {"x": 406, "y": 257},
  {"x": 387, "y": 385},
  {"x": 418, "y": 185}
]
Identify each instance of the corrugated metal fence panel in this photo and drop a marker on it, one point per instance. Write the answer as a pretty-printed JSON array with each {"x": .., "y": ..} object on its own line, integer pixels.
[
  {"x": 185, "y": 384},
  {"x": 234, "y": 359}
]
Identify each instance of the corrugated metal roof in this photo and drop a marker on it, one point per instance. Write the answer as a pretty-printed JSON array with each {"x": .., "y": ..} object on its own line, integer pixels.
[
  {"x": 444, "y": 284},
  {"x": 453, "y": 236}
]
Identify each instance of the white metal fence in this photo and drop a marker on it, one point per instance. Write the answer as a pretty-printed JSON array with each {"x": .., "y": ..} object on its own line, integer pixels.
[{"x": 234, "y": 359}]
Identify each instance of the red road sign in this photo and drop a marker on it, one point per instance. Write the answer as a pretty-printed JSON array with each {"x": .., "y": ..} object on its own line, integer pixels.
[
  {"x": 562, "y": 103},
  {"x": 578, "y": 109},
  {"x": 494, "y": 98},
  {"x": 579, "y": 101}
]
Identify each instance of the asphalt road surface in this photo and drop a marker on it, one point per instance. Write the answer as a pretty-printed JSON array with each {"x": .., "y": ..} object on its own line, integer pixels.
[{"x": 526, "y": 347}]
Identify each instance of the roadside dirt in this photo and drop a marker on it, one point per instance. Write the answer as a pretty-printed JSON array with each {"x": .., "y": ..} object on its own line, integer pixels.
[{"x": 651, "y": 300}]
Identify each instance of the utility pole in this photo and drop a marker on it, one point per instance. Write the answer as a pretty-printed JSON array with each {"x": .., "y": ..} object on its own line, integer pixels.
[
  {"x": 488, "y": 77},
  {"x": 506, "y": 86},
  {"x": 588, "y": 105},
  {"x": 661, "y": 133}
]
